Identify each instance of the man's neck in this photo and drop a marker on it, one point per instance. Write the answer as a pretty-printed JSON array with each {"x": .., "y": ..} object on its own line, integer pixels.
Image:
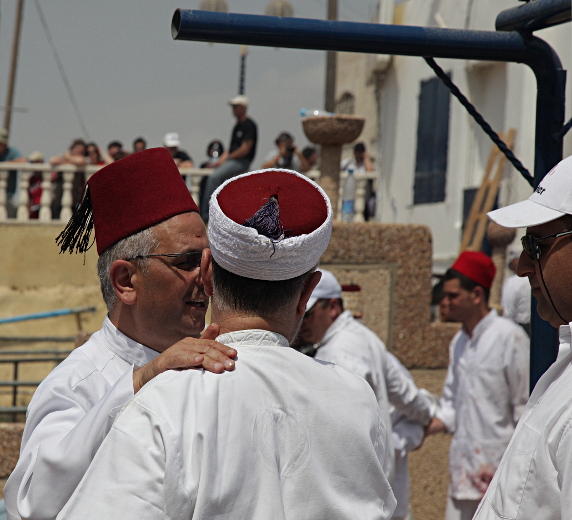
[
  {"x": 232, "y": 322},
  {"x": 470, "y": 324},
  {"x": 241, "y": 119}
]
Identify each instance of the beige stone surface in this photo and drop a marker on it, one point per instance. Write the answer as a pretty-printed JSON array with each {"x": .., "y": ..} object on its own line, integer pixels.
[
  {"x": 403, "y": 251},
  {"x": 10, "y": 439},
  {"x": 429, "y": 466}
]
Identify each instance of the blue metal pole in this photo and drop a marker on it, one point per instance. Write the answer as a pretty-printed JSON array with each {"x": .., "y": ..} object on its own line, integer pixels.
[
  {"x": 371, "y": 38},
  {"x": 47, "y": 314}
]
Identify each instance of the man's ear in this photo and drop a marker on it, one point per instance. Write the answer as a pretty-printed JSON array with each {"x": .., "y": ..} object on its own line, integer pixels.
[
  {"x": 307, "y": 291},
  {"x": 207, "y": 271},
  {"x": 479, "y": 293},
  {"x": 122, "y": 275}
]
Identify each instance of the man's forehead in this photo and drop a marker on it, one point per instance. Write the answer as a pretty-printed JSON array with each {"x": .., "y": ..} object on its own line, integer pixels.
[
  {"x": 185, "y": 230},
  {"x": 554, "y": 226}
]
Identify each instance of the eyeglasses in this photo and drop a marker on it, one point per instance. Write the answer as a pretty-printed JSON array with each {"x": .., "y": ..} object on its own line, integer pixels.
[
  {"x": 530, "y": 243},
  {"x": 192, "y": 259}
]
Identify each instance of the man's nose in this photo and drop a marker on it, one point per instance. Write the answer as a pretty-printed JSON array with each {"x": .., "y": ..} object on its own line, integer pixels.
[{"x": 526, "y": 266}]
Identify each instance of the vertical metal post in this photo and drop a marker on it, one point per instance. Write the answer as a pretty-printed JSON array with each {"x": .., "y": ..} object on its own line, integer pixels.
[
  {"x": 550, "y": 102},
  {"x": 330, "y": 87},
  {"x": 15, "y": 387},
  {"x": 242, "y": 77},
  {"x": 13, "y": 66}
]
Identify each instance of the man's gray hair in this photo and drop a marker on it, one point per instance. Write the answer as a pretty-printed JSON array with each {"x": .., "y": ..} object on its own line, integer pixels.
[{"x": 141, "y": 243}]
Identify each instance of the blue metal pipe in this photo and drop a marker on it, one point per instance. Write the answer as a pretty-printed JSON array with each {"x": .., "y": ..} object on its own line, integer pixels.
[
  {"x": 534, "y": 16},
  {"x": 401, "y": 40},
  {"x": 47, "y": 314}
]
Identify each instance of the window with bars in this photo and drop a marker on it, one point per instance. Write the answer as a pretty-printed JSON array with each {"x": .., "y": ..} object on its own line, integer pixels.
[{"x": 432, "y": 143}]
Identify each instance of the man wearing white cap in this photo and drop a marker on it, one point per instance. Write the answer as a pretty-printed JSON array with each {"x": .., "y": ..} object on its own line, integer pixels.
[
  {"x": 534, "y": 479},
  {"x": 172, "y": 142},
  {"x": 237, "y": 158},
  {"x": 343, "y": 340},
  {"x": 282, "y": 436}
]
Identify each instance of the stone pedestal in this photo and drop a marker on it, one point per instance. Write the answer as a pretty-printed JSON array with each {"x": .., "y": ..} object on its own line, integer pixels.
[{"x": 331, "y": 132}]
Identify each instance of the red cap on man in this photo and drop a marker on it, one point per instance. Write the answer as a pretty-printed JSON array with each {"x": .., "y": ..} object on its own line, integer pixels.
[
  {"x": 126, "y": 197},
  {"x": 476, "y": 266}
]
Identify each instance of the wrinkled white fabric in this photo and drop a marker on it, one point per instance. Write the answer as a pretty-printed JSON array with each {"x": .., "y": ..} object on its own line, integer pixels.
[
  {"x": 242, "y": 251},
  {"x": 534, "y": 479},
  {"x": 356, "y": 348},
  {"x": 68, "y": 418},
  {"x": 282, "y": 436},
  {"x": 516, "y": 299},
  {"x": 485, "y": 391}
]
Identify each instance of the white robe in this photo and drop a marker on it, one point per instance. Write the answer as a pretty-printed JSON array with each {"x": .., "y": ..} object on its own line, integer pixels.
[
  {"x": 485, "y": 391},
  {"x": 534, "y": 479},
  {"x": 68, "y": 418},
  {"x": 281, "y": 436},
  {"x": 516, "y": 299},
  {"x": 356, "y": 348}
]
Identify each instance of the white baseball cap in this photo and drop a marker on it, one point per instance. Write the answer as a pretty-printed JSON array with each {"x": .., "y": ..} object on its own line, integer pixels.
[
  {"x": 552, "y": 199},
  {"x": 328, "y": 287},
  {"x": 238, "y": 100},
  {"x": 171, "y": 139}
]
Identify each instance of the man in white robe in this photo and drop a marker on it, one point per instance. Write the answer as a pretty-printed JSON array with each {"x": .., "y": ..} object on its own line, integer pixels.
[
  {"x": 282, "y": 436},
  {"x": 486, "y": 387},
  {"x": 140, "y": 207},
  {"x": 534, "y": 479},
  {"x": 345, "y": 341}
]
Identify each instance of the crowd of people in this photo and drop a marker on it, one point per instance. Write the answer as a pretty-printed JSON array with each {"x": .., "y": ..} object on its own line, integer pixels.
[{"x": 227, "y": 162}]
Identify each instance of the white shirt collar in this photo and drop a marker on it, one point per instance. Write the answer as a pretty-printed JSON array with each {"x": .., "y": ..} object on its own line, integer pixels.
[
  {"x": 253, "y": 337},
  {"x": 484, "y": 324},
  {"x": 340, "y": 322},
  {"x": 127, "y": 349}
]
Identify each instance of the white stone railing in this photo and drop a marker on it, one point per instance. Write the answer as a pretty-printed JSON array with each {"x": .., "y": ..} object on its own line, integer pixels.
[{"x": 16, "y": 207}]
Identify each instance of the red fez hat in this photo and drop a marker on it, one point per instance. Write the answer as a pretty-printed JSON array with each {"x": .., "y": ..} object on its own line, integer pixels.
[
  {"x": 126, "y": 197},
  {"x": 302, "y": 209},
  {"x": 476, "y": 266}
]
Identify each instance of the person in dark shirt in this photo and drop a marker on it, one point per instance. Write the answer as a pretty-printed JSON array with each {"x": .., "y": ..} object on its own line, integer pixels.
[
  {"x": 240, "y": 154},
  {"x": 172, "y": 142}
]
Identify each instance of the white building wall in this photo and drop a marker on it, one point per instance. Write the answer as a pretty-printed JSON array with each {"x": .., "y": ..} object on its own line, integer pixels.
[{"x": 504, "y": 93}]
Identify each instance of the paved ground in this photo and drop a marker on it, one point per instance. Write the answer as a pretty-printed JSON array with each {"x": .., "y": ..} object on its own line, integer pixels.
[{"x": 429, "y": 466}]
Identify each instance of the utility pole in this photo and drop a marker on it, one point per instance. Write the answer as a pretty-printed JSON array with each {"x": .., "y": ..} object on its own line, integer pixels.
[
  {"x": 13, "y": 65},
  {"x": 330, "y": 92}
]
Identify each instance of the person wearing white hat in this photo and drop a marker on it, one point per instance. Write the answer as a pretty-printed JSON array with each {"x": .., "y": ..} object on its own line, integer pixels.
[
  {"x": 172, "y": 142},
  {"x": 534, "y": 479},
  {"x": 516, "y": 298},
  {"x": 282, "y": 436},
  {"x": 240, "y": 154},
  {"x": 343, "y": 340}
]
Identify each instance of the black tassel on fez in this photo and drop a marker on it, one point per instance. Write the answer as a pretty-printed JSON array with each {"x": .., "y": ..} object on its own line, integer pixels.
[
  {"x": 267, "y": 222},
  {"x": 78, "y": 230}
]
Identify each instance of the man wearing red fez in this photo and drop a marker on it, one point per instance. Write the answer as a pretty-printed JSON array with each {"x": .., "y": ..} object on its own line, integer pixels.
[
  {"x": 150, "y": 240},
  {"x": 281, "y": 436},
  {"x": 486, "y": 387}
]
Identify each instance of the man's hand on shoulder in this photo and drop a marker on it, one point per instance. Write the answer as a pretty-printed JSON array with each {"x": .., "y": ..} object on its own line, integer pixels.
[{"x": 203, "y": 352}]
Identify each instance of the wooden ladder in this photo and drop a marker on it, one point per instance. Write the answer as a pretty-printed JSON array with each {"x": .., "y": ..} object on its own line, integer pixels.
[{"x": 476, "y": 225}]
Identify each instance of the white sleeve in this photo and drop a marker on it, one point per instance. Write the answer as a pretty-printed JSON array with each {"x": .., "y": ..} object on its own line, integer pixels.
[
  {"x": 127, "y": 478},
  {"x": 446, "y": 411},
  {"x": 63, "y": 432},
  {"x": 517, "y": 370},
  {"x": 404, "y": 394}
]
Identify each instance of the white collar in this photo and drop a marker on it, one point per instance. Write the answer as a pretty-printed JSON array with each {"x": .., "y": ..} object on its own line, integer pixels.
[
  {"x": 253, "y": 337},
  {"x": 127, "y": 349},
  {"x": 342, "y": 321}
]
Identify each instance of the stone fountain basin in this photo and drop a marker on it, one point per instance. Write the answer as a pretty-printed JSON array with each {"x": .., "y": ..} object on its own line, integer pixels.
[{"x": 332, "y": 130}]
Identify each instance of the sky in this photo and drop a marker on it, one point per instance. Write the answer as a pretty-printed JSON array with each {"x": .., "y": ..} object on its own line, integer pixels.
[{"x": 130, "y": 78}]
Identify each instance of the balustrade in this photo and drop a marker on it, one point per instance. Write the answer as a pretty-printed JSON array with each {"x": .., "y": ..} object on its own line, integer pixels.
[{"x": 19, "y": 202}]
